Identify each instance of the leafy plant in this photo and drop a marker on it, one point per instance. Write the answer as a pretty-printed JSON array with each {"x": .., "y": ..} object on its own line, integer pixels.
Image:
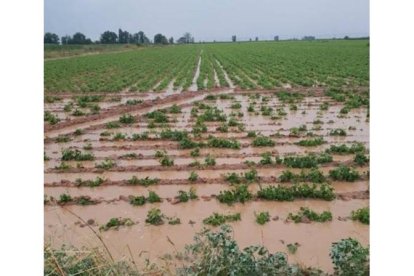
[
  {"x": 210, "y": 160},
  {"x": 147, "y": 181},
  {"x": 344, "y": 149},
  {"x": 360, "y": 159},
  {"x": 266, "y": 159},
  {"x": 314, "y": 175},
  {"x": 51, "y": 118},
  {"x": 115, "y": 223},
  {"x": 89, "y": 183},
  {"x": 112, "y": 125},
  {"x": 137, "y": 200},
  {"x": 195, "y": 152},
  {"x": 215, "y": 142},
  {"x": 65, "y": 198},
  {"x": 311, "y": 142}
]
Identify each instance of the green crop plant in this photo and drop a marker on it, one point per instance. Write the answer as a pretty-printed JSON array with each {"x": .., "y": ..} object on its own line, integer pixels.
[
  {"x": 215, "y": 142},
  {"x": 262, "y": 217},
  {"x": 63, "y": 139},
  {"x": 305, "y": 214},
  {"x": 153, "y": 197},
  {"x": 311, "y": 142},
  {"x": 337, "y": 132},
  {"x": 314, "y": 176},
  {"x": 126, "y": 119},
  {"x": 90, "y": 183},
  {"x": 361, "y": 215},
  {"x": 292, "y": 247},
  {"x": 51, "y": 118},
  {"x": 166, "y": 161},
  {"x": 266, "y": 159},
  {"x": 133, "y": 102},
  {"x": 239, "y": 193},
  {"x": 107, "y": 164},
  {"x": 76, "y": 155},
  {"x": 78, "y": 132},
  {"x": 361, "y": 159},
  {"x": 65, "y": 198},
  {"x": 195, "y": 152},
  {"x": 139, "y": 136},
  {"x": 155, "y": 217},
  {"x": 344, "y": 149},
  {"x": 283, "y": 193},
  {"x": 112, "y": 125},
  {"x": 137, "y": 200},
  {"x": 344, "y": 173},
  {"x": 115, "y": 223},
  {"x": 193, "y": 176},
  {"x": 306, "y": 161},
  {"x": 174, "y": 135},
  {"x": 210, "y": 160},
  {"x": 147, "y": 181},
  {"x": 349, "y": 257},
  {"x": 217, "y": 219},
  {"x": 263, "y": 141},
  {"x": 119, "y": 136},
  {"x": 223, "y": 128}
]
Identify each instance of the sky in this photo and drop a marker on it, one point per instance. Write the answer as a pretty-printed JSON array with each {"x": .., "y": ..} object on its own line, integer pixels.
[{"x": 209, "y": 20}]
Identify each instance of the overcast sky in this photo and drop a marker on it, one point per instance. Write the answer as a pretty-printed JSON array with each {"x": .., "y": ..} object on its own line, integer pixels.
[{"x": 210, "y": 19}]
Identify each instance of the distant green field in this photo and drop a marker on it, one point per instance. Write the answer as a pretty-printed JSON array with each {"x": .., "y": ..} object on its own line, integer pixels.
[
  {"x": 249, "y": 65},
  {"x": 59, "y": 51}
]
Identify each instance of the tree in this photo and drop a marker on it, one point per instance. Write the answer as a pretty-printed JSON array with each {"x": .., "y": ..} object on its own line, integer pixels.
[
  {"x": 79, "y": 38},
  {"x": 160, "y": 39},
  {"x": 51, "y": 38},
  {"x": 66, "y": 39},
  {"x": 141, "y": 38},
  {"x": 123, "y": 37},
  {"x": 171, "y": 40},
  {"x": 108, "y": 37},
  {"x": 186, "y": 39},
  {"x": 276, "y": 38},
  {"x": 233, "y": 38},
  {"x": 346, "y": 37},
  {"x": 257, "y": 38}
]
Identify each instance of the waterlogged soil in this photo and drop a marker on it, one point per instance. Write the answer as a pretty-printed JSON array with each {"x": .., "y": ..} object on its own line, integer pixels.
[{"x": 146, "y": 241}]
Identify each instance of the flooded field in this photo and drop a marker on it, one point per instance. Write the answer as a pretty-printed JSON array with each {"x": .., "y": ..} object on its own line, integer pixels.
[{"x": 208, "y": 145}]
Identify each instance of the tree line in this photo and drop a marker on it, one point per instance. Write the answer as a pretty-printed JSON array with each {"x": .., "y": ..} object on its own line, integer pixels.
[{"x": 123, "y": 37}]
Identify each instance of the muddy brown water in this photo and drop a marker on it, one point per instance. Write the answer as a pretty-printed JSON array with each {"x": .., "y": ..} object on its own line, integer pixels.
[{"x": 315, "y": 239}]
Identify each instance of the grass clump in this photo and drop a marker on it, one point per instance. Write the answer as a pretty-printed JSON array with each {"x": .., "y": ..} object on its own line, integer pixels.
[
  {"x": 217, "y": 219},
  {"x": 262, "y": 217},
  {"x": 361, "y": 215},
  {"x": 344, "y": 173},
  {"x": 305, "y": 214}
]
